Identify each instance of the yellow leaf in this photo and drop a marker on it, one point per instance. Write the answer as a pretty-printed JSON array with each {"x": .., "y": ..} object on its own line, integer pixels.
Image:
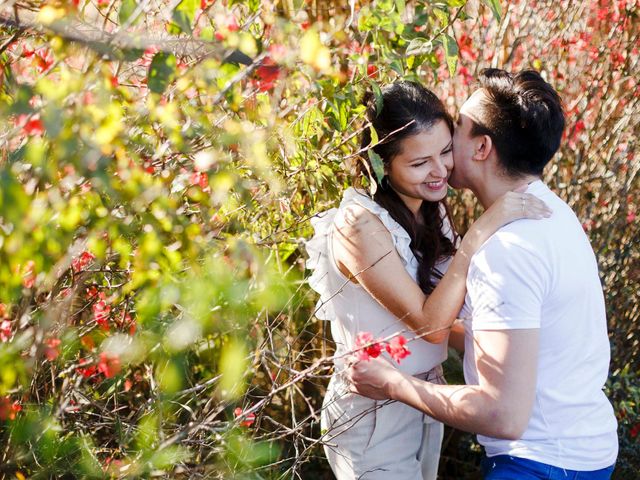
[
  {"x": 313, "y": 52},
  {"x": 49, "y": 14}
]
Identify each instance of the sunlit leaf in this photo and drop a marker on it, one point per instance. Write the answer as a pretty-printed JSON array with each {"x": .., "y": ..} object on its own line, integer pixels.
[
  {"x": 495, "y": 7},
  {"x": 161, "y": 72},
  {"x": 451, "y": 53}
]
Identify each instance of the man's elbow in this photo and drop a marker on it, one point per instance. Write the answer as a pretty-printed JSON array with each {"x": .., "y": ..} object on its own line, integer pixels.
[{"x": 509, "y": 425}]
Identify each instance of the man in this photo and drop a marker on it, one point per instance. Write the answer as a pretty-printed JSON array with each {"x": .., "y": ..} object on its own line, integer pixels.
[{"x": 536, "y": 345}]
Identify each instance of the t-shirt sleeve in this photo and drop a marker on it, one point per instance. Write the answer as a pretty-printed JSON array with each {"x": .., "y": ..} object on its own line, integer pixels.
[{"x": 506, "y": 285}]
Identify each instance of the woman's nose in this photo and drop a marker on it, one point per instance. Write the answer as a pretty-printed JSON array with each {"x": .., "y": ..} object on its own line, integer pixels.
[{"x": 443, "y": 165}]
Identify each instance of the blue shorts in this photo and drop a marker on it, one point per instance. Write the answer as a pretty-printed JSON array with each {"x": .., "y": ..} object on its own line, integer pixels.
[{"x": 506, "y": 467}]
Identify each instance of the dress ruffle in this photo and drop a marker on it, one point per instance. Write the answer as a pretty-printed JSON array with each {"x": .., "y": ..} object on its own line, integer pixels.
[
  {"x": 318, "y": 262},
  {"x": 318, "y": 247}
]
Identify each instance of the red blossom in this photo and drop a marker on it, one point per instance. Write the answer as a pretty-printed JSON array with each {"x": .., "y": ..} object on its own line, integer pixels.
[
  {"x": 52, "y": 349},
  {"x": 367, "y": 347},
  {"x": 87, "y": 342},
  {"x": 33, "y": 126},
  {"x": 27, "y": 52},
  {"x": 101, "y": 313},
  {"x": 87, "y": 371},
  {"x": 249, "y": 418},
  {"x": 43, "y": 61},
  {"x": 232, "y": 24},
  {"x": 199, "y": 178},
  {"x": 631, "y": 217},
  {"x": 635, "y": 430},
  {"x": 5, "y": 330},
  {"x": 8, "y": 410},
  {"x": 267, "y": 73},
  {"x": 29, "y": 275},
  {"x": 278, "y": 52},
  {"x": 109, "y": 364},
  {"x": 80, "y": 262},
  {"x": 396, "y": 348}
]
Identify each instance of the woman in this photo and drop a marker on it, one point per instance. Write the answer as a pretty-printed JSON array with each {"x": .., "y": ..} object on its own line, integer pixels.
[{"x": 386, "y": 263}]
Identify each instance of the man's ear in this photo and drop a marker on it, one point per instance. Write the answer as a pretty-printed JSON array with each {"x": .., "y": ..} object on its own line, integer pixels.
[{"x": 483, "y": 145}]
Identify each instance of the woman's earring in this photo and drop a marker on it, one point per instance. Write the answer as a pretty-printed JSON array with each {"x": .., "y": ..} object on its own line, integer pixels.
[{"x": 384, "y": 183}]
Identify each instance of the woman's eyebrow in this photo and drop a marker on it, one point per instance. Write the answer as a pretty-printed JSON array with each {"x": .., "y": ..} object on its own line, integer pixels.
[{"x": 426, "y": 157}]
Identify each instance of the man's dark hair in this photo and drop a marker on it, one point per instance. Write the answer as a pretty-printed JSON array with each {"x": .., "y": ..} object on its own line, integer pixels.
[{"x": 523, "y": 116}]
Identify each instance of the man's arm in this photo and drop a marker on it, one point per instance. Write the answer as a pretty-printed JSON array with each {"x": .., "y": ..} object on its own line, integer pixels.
[{"x": 499, "y": 406}]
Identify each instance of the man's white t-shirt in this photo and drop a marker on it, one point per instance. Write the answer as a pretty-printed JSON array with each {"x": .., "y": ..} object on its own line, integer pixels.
[{"x": 543, "y": 274}]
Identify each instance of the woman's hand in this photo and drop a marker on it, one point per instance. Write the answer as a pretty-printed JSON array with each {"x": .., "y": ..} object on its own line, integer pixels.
[
  {"x": 375, "y": 378},
  {"x": 509, "y": 207}
]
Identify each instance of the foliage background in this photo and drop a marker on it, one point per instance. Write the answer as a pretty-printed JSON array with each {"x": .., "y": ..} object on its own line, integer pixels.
[{"x": 160, "y": 161}]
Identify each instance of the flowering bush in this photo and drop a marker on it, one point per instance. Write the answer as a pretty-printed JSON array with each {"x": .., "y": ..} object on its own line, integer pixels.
[{"x": 158, "y": 168}]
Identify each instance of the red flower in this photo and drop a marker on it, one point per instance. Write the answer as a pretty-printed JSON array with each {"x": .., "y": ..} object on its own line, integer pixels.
[
  {"x": 29, "y": 276},
  {"x": 80, "y": 262},
  {"x": 199, "y": 178},
  {"x": 232, "y": 24},
  {"x": 631, "y": 217},
  {"x": 366, "y": 347},
  {"x": 101, "y": 313},
  {"x": 5, "y": 330},
  {"x": 33, "y": 126},
  {"x": 27, "y": 52},
  {"x": 109, "y": 364},
  {"x": 267, "y": 73},
  {"x": 8, "y": 410},
  {"x": 372, "y": 71},
  {"x": 88, "y": 371},
  {"x": 396, "y": 348},
  {"x": 635, "y": 430},
  {"x": 43, "y": 61},
  {"x": 52, "y": 351},
  {"x": 249, "y": 418}
]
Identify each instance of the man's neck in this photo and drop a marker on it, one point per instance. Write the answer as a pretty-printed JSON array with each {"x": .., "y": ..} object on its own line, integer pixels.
[{"x": 492, "y": 189}]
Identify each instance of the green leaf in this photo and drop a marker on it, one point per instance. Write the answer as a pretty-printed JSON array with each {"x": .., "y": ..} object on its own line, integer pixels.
[
  {"x": 456, "y": 3},
  {"x": 450, "y": 52},
  {"x": 495, "y": 7},
  {"x": 379, "y": 100},
  {"x": 184, "y": 14},
  {"x": 376, "y": 163},
  {"x": 419, "y": 46},
  {"x": 442, "y": 16},
  {"x": 400, "y": 6},
  {"x": 127, "y": 7},
  {"x": 162, "y": 71}
]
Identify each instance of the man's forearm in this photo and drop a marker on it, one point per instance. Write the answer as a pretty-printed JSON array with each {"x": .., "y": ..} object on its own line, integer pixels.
[{"x": 465, "y": 407}]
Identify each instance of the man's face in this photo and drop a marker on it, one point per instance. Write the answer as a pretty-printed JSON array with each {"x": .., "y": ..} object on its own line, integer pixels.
[{"x": 464, "y": 144}]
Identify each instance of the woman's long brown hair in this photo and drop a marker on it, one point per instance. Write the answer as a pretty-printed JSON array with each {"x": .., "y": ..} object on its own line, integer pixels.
[{"x": 408, "y": 109}]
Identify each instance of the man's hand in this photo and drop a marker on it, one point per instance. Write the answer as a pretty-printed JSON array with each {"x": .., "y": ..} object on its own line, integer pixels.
[{"x": 375, "y": 378}]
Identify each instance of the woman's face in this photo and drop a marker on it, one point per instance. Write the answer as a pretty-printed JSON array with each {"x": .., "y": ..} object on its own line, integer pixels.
[{"x": 421, "y": 169}]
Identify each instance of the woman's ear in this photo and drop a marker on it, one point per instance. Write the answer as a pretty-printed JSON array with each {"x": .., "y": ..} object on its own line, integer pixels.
[{"x": 482, "y": 147}]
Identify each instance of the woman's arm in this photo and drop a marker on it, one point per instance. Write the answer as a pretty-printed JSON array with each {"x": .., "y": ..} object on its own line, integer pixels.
[
  {"x": 364, "y": 251},
  {"x": 456, "y": 336}
]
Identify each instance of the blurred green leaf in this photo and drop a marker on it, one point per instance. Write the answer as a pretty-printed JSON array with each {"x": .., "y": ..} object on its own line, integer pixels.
[
  {"x": 162, "y": 71},
  {"x": 495, "y": 7},
  {"x": 451, "y": 53},
  {"x": 184, "y": 13}
]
